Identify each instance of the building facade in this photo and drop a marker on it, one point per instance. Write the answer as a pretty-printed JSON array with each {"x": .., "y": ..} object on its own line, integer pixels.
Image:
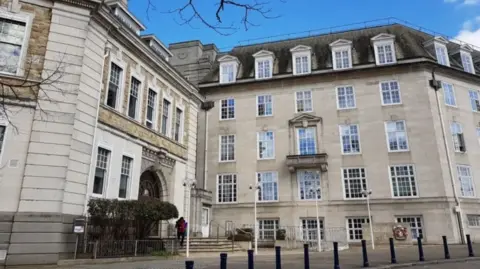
[
  {"x": 94, "y": 110},
  {"x": 326, "y": 117}
]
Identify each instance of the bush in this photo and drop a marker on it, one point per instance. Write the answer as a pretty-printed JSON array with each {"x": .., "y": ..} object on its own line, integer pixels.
[{"x": 242, "y": 235}]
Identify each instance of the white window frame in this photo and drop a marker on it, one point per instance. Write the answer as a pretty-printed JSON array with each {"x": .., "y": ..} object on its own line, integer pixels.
[
  {"x": 27, "y": 18},
  {"x": 340, "y": 129},
  {"x": 391, "y": 43},
  {"x": 455, "y": 141},
  {"x": 138, "y": 112},
  {"x": 226, "y": 80},
  {"x": 108, "y": 171},
  {"x": 130, "y": 179},
  {"x": 303, "y": 100},
  {"x": 472, "y": 181},
  {"x": 420, "y": 230},
  {"x": 465, "y": 65},
  {"x": 265, "y": 103},
  {"x": 155, "y": 109},
  {"x": 389, "y": 82},
  {"x": 406, "y": 136},
  {"x": 454, "y": 98},
  {"x": 341, "y": 49},
  {"x": 300, "y": 183},
  {"x": 3, "y": 122},
  {"x": 443, "y": 47},
  {"x": 121, "y": 87},
  {"x": 297, "y": 131},
  {"x": 473, "y": 218},
  {"x": 471, "y": 95},
  {"x": 261, "y": 232},
  {"x": 235, "y": 186},
  {"x": 309, "y": 233},
  {"x": 343, "y": 169},
  {"x": 220, "y": 148},
  {"x": 412, "y": 187},
  {"x": 270, "y": 71},
  {"x": 275, "y": 188},
  {"x": 300, "y": 55},
  {"x": 181, "y": 131},
  {"x": 366, "y": 222},
  {"x": 344, "y": 87},
  {"x": 258, "y": 145},
  {"x": 477, "y": 129},
  {"x": 220, "y": 108},
  {"x": 170, "y": 115}
]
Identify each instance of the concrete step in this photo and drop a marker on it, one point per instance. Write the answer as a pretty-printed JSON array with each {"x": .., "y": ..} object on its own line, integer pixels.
[{"x": 182, "y": 250}]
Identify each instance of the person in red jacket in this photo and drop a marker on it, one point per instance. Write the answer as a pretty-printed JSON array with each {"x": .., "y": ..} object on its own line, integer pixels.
[{"x": 181, "y": 226}]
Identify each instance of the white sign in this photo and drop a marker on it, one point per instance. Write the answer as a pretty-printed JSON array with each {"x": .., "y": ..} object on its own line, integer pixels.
[
  {"x": 3, "y": 255},
  {"x": 78, "y": 229}
]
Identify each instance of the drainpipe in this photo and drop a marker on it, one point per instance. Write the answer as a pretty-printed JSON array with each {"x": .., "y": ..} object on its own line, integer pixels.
[
  {"x": 205, "y": 170},
  {"x": 435, "y": 84},
  {"x": 108, "y": 47}
]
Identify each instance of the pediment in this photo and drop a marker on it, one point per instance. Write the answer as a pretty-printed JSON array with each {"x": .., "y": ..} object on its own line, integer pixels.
[
  {"x": 300, "y": 48},
  {"x": 228, "y": 58},
  {"x": 263, "y": 53},
  {"x": 383, "y": 36},
  {"x": 466, "y": 48},
  {"x": 437, "y": 39},
  {"x": 340, "y": 43},
  {"x": 304, "y": 117}
]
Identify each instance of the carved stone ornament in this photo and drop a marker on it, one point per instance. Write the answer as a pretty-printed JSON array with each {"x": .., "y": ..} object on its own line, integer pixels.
[{"x": 158, "y": 157}]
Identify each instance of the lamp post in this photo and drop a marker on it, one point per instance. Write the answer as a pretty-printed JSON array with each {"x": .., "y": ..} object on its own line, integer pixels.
[
  {"x": 316, "y": 192},
  {"x": 367, "y": 194},
  {"x": 255, "y": 189},
  {"x": 189, "y": 184}
]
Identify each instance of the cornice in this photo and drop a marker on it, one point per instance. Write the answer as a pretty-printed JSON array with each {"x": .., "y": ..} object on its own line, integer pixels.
[{"x": 90, "y": 4}]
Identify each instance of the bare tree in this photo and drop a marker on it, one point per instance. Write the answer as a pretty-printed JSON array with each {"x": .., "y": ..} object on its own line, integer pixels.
[{"x": 189, "y": 12}]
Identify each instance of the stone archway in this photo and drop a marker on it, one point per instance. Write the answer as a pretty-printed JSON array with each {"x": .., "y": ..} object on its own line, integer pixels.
[{"x": 151, "y": 186}]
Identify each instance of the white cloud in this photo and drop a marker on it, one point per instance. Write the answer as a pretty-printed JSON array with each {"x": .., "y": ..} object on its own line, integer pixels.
[
  {"x": 471, "y": 2},
  {"x": 470, "y": 32},
  {"x": 450, "y": 1}
]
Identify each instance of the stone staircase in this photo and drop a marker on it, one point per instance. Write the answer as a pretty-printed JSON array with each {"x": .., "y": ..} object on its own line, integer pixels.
[{"x": 222, "y": 244}]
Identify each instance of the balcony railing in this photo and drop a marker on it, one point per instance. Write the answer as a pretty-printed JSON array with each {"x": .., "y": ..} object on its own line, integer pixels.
[{"x": 295, "y": 162}]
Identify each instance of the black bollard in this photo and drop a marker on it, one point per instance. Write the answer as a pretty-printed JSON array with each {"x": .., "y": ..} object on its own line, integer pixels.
[
  {"x": 223, "y": 260},
  {"x": 393, "y": 257},
  {"x": 364, "y": 252},
  {"x": 306, "y": 258},
  {"x": 278, "y": 257},
  {"x": 470, "y": 248},
  {"x": 250, "y": 259},
  {"x": 445, "y": 248},
  {"x": 188, "y": 264},
  {"x": 336, "y": 262},
  {"x": 420, "y": 249}
]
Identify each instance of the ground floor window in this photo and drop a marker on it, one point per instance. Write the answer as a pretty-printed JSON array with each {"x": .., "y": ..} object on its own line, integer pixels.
[
  {"x": 267, "y": 228},
  {"x": 309, "y": 229},
  {"x": 473, "y": 220},
  {"x": 355, "y": 228},
  {"x": 416, "y": 227}
]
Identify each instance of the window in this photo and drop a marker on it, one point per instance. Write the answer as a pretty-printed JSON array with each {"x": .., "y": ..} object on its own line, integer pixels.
[
  {"x": 266, "y": 145},
  {"x": 267, "y": 228},
  {"x": 227, "y": 188},
  {"x": 449, "y": 94},
  {"x": 101, "y": 170},
  {"x": 303, "y": 101},
  {"x": 390, "y": 92},
  {"x": 473, "y": 220},
  {"x": 125, "y": 176},
  {"x": 151, "y": 106},
  {"x": 264, "y": 68},
  {"x": 345, "y": 97},
  {"x": 268, "y": 190},
  {"x": 306, "y": 141},
  {"x": 474, "y": 100},
  {"x": 467, "y": 62},
  {"x": 114, "y": 85},
  {"x": 309, "y": 185},
  {"x": 466, "y": 181},
  {"x": 133, "y": 100},
  {"x": 12, "y": 44},
  {"x": 354, "y": 182},
  {"x": 228, "y": 73},
  {"x": 442, "y": 54},
  {"x": 341, "y": 58},
  {"x": 385, "y": 53},
  {"x": 355, "y": 228},
  {"x": 396, "y": 135},
  {"x": 403, "y": 181},
  {"x": 309, "y": 230},
  {"x": 264, "y": 105},
  {"x": 3, "y": 130},
  {"x": 416, "y": 227},
  {"x": 227, "y": 109},
  {"x": 478, "y": 134},
  {"x": 457, "y": 137},
  {"x": 302, "y": 64},
  {"x": 165, "y": 117},
  {"x": 350, "y": 138},
  {"x": 178, "y": 124},
  {"x": 227, "y": 148}
]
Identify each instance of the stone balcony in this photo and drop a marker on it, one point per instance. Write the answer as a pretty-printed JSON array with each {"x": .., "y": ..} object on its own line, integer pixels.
[{"x": 295, "y": 162}]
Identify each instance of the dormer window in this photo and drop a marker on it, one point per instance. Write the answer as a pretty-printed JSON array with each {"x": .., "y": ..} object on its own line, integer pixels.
[
  {"x": 301, "y": 60},
  {"x": 438, "y": 46},
  {"x": 228, "y": 69},
  {"x": 466, "y": 58},
  {"x": 341, "y": 54},
  {"x": 263, "y": 64},
  {"x": 384, "y": 47}
]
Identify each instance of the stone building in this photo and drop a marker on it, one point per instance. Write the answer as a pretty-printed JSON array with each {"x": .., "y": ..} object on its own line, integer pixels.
[
  {"x": 326, "y": 117},
  {"x": 104, "y": 115}
]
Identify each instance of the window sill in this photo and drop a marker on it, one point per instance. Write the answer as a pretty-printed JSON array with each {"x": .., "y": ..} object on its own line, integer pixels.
[
  {"x": 266, "y": 202},
  {"x": 226, "y": 203},
  {"x": 227, "y": 161},
  {"x": 346, "y": 108},
  {"x": 226, "y": 119},
  {"x": 398, "y": 151},
  {"x": 451, "y": 106},
  {"x": 390, "y": 105},
  {"x": 266, "y": 159},
  {"x": 352, "y": 154},
  {"x": 405, "y": 197},
  {"x": 264, "y": 116}
]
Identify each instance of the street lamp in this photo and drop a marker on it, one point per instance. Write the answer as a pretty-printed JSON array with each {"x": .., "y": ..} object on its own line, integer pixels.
[
  {"x": 255, "y": 188},
  {"x": 316, "y": 192},
  {"x": 189, "y": 184},
  {"x": 367, "y": 194}
]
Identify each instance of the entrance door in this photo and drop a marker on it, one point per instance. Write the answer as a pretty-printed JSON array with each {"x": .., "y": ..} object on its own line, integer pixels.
[{"x": 205, "y": 221}]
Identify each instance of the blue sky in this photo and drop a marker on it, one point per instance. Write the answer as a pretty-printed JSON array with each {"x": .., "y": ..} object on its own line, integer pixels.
[{"x": 455, "y": 18}]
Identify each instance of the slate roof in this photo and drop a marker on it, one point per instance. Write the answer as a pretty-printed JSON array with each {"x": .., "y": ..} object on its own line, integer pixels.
[{"x": 409, "y": 44}]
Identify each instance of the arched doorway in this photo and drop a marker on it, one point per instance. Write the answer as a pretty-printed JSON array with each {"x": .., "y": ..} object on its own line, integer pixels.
[{"x": 150, "y": 186}]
